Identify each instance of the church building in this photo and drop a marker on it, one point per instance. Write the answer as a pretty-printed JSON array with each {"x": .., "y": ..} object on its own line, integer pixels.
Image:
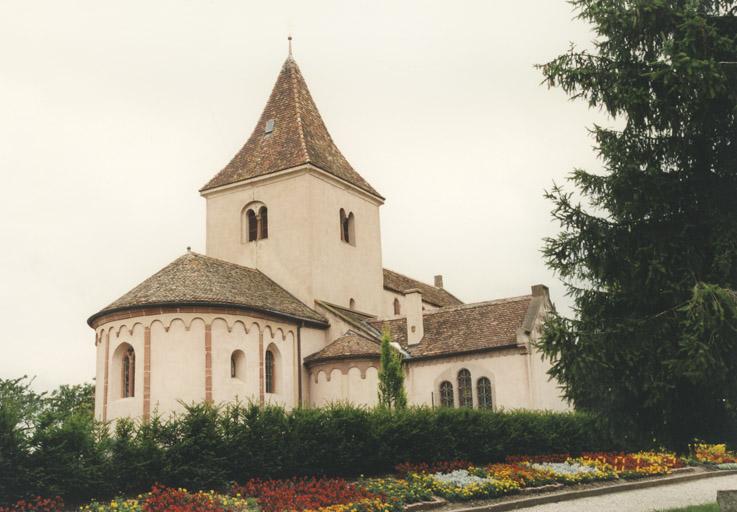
[{"x": 288, "y": 304}]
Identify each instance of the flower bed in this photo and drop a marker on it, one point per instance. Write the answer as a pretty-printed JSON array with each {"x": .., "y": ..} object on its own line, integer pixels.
[
  {"x": 322, "y": 494},
  {"x": 163, "y": 499},
  {"x": 637, "y": 465},
  {"x": 403, "y": 490},
  {"x": 462, "y": 485},
  {"x": 524, "y": 474},
  {"x": 37, "y": 504},
  {"x": 433, "y": 467},
  {"x": 577, "y": 471},
  {"x": 713, "y": 454}
]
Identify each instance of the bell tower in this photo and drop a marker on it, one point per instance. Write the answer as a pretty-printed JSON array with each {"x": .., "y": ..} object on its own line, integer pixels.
[{"x": 290, "y": 205}]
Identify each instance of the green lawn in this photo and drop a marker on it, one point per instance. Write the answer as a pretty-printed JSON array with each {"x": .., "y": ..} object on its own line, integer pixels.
[{"x": 712, "y": 507}]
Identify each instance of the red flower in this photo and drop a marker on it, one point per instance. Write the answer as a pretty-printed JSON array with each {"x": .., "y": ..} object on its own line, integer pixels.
[{"x": 301, "y": 493}]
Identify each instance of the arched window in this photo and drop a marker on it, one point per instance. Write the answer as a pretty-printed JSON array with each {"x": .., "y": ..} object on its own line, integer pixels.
[
  {"x": 251, "y": 225},
  {"x": 347, "y": 229},
  {"x": 351, "y": 229},
  {"x": 129, "y": 373},
  {"x": 483, "y": 390},
  {"x": 446, "y": 394},
  {"x": 237, "y": 365},
  {"x": 397, "y": 307},
  {"x": 465, "y": 394},
  {"x": 263, "y": 223},
  {"x": 343, "y": 225},
  {"x": 269, "y": 371}
]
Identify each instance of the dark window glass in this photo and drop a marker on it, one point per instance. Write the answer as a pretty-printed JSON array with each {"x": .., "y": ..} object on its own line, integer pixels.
[
  {"x": 465, "y": 394},
  {"x": 269, "y": 371},
  {"x": 483, "y": 390},
  {"x": 252, "y": 225},
  {"x": 446, "y": 394},
  {"x": 263, "y": 218},
  {"x": 129, "y": 373}
]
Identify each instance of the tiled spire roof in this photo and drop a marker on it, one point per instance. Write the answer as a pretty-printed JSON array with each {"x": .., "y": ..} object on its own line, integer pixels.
[{"x": 290, "y": 132}]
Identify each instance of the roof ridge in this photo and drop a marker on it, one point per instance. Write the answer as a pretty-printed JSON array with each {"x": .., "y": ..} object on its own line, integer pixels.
[
  {"x": 413, "y": 279},
  {"x": 337, "y": 306},
  {"x": 297, "y": 105},
  {"x": 357, "y": 333},
  {"x": 472, "y": 305}
]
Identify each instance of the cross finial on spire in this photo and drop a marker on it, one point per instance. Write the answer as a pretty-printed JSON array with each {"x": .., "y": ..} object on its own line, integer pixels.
[{"x": 290, "y": 44}]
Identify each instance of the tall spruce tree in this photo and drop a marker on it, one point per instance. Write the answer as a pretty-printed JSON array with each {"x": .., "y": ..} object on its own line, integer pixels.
[
  {"x": 391, "y": 377},
  {"x": 648, "y": 244}
]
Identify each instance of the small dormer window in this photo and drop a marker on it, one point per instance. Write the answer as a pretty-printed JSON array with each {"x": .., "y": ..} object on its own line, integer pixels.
[{"x": 269, "y": 126}]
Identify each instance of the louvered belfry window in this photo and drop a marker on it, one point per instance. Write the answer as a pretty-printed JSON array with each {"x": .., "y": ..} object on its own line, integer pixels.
[{"x": 465, "y": 393}]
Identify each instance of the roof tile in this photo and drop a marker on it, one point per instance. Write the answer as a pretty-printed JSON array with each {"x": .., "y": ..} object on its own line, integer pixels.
[
  {"x": 399, "y": 283},
  {"x": 299, "y": 137},
  {"x": 465, "y": 328},
  {"x": 199, "y": 279}
]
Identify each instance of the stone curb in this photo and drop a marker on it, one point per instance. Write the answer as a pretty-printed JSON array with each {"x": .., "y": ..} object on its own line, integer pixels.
[{"x": 598, "y": 491}]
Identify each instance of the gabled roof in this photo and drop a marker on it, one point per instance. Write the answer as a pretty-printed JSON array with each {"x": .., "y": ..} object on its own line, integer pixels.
[
  {"x": 356, "y": 319},
  {"x": 198, "y": 280},
  {"x": 352, "y": 345},
  {"x": 299, "y": 137},
  {"x": 467, "y": 328},
  {"x": 399, "y": 283}
]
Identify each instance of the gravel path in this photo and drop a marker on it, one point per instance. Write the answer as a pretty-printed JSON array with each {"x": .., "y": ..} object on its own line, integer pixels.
[{"x": 664, "y": 497}]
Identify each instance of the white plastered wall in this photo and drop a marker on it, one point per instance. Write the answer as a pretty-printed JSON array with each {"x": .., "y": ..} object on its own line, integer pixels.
[
  {"x": 344, "y": 382},
  {"x": 304, "y": 252},
  {"x": 117, "y": 406},
  {"x": 178, "y": 361},
  {"x": 506, "y": 369},
  {"x": 177, "y": 364}
]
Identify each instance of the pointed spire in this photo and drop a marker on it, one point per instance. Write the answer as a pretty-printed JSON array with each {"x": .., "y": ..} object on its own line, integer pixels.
[{"x": 289, "y": 133}]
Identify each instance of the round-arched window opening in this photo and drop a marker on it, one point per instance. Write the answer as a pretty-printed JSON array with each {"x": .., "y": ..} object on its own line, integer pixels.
[
  {"x": 446, "y": 394},
  {"x": 483, "y": 391},
  {"x": 465, "y": 393},
  {"x": 270, "y": 372},
  {"x": 238, "y": 365}
]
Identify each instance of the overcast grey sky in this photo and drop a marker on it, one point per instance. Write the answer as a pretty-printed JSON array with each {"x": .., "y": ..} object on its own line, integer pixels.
[{"x": 113, "y": 114}]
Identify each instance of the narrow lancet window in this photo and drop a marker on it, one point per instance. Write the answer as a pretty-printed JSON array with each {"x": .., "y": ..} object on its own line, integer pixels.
[
  {"x": 483, "y": 390},
  {"x": 446, "y": 394},
  {"x": 269, "y": 371},
  {"x": 465, "y": 393},
  {"x": 129, "y": 373}
]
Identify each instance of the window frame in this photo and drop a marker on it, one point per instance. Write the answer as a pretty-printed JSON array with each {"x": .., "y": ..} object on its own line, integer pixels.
[
  {"x": 487, "y": 393},
  {"x": 447, "y": 394},
  {"x": 465, "y": 388},
  {"x": 128, "y": 374}
]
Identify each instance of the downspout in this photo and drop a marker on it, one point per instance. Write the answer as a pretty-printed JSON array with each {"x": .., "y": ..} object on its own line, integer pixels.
[{"x": 299, "y": 364}]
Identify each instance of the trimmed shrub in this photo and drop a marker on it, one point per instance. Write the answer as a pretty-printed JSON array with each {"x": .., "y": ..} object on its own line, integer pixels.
[{"x": 207, "y": 447}]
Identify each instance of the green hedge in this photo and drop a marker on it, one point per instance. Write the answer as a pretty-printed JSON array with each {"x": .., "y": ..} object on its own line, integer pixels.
[{"x": 77, "y": 458}]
